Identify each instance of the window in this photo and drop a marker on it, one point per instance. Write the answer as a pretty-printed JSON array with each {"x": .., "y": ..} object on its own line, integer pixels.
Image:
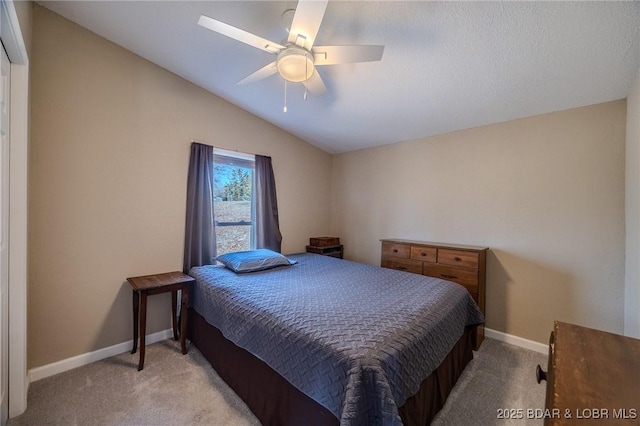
[{"x": 233, "y": 201}]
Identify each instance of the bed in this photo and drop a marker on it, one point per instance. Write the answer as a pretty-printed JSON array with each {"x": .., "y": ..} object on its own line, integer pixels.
[{"x": 330, "y": 341}]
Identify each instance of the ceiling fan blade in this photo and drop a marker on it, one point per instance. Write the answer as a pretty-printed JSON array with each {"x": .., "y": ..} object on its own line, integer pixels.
[
  {"x": 240, "y": 35},
  {"x": 315, "y": 85},
  {"x": 306, "y": 22},
  {"x": 262, "y": 73},
  {"x": 331, "y": 55}
]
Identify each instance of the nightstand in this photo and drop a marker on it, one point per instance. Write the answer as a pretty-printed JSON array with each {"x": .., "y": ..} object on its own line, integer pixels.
[
  {"x": 326, "y": 246},
  {"x": 333, "y": 251},
  {"x": 155, "y": 284}
]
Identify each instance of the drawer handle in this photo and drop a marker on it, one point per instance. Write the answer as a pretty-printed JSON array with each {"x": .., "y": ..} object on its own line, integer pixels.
[
  {"x": 423, "y": 254},
  {"x": 457, "y": 259},
  {"x": 540, "y": 374},
  {"x": 401, "y": 268},
  {"x": 395, "y": 250},
  {"x": 449, "y": 277}
]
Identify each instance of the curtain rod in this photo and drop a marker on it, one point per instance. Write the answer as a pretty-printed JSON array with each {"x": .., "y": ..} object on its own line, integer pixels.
[{"x": 226, "y": 149}]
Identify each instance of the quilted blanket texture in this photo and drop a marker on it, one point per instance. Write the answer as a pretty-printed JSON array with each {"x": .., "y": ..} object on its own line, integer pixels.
[{"x": 356, "y": 338}]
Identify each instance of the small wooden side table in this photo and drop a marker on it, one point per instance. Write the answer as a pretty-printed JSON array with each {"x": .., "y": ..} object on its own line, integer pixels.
[{"x": 155, "y": 284}]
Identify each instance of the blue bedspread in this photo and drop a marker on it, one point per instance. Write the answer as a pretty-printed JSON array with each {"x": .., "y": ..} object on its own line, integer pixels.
[{"x": 358, "y": 339}]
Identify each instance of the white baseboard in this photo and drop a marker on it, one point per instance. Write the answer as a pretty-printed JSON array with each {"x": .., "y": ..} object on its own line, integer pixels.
[
  {"x": 84, "y": 359},
  {"x": 517, "y": 341}
]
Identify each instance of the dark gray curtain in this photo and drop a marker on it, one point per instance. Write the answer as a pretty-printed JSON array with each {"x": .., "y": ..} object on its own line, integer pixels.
[
  {"x": 267, "y": 224},
  {"x": 199, "y": 235}
]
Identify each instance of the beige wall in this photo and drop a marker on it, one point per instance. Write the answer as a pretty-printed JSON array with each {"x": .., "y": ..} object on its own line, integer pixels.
[
  {"x": 632, "y": 213},
  {"x": 108, "y": 167},
  {"x": 545, "y": 193},
  {"x": 24, "y": 10}
]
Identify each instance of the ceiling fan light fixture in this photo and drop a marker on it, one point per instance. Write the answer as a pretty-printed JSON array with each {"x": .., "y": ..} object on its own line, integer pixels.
[
  {"x": 297, "y": 56},
  {"x": 295, "y": 64}
]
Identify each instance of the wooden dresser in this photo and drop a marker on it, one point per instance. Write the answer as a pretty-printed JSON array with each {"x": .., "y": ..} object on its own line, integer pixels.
[
  {"x": 593, "y": 378},
  {"x": 465, "y": 265}
]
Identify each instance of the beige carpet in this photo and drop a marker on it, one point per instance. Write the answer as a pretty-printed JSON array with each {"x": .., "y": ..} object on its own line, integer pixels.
[{"x": 176, "y": 389}]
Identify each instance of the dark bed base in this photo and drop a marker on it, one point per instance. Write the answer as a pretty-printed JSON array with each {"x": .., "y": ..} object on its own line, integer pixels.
[{"x": 274, "y": 401}]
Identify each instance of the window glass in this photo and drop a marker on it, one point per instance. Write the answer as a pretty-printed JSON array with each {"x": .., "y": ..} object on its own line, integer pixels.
[{"x": 233, "y": 201}]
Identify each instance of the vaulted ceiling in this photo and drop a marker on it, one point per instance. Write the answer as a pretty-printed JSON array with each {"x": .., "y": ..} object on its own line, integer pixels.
[{"x": 446, "y": 65}]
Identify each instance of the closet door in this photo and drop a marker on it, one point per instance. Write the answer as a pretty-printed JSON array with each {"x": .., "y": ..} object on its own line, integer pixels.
[{"x": 4, "y": 235}]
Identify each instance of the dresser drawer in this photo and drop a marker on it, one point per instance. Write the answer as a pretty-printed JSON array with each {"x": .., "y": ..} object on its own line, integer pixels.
[
  {"x": 396, "y": 250},
  {"x": 399, "y": 264},
  {"x": 464, "y": 259},
  {"x": 425, "y": 254},
  {"x": 465, "y": 277}
]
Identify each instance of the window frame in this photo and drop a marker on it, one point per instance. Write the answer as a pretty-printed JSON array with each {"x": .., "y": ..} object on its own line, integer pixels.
[{"x": 244, "y": 160}]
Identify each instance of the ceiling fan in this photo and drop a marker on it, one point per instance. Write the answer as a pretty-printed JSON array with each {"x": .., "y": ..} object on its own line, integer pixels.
[{"x": 297, "y": 57}]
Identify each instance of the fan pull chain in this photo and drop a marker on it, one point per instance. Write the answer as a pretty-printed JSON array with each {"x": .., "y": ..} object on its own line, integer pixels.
[
  {"x": 284, "y": 109},
  {"x": 306, "y": 74}
]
